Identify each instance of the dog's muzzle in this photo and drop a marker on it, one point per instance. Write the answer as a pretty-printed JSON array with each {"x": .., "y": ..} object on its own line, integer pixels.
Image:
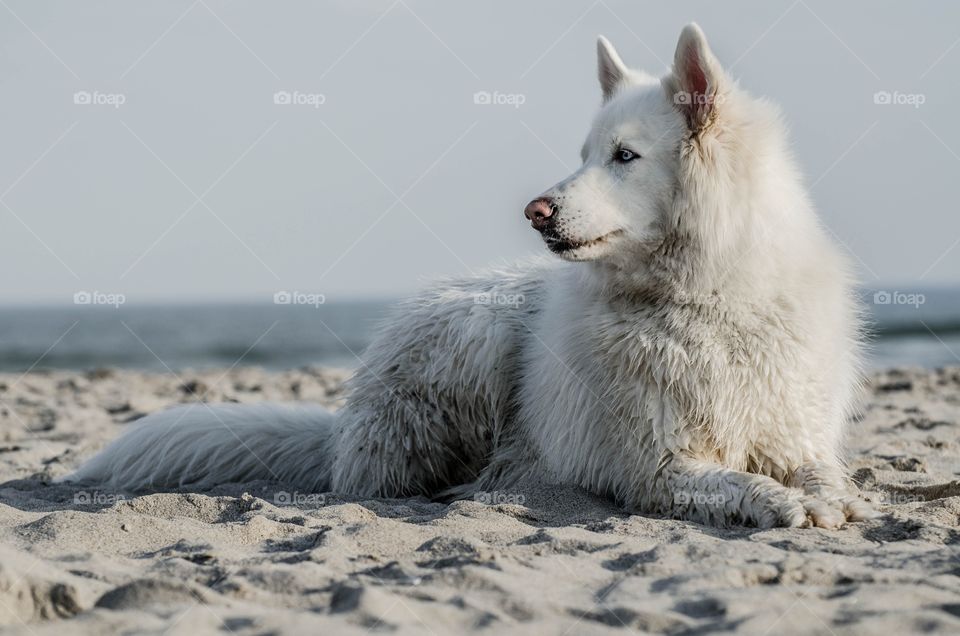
[{"x": 542, "y": 213}]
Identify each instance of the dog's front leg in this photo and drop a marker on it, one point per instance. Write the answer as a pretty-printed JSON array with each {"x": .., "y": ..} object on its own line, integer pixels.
[{"x": 712, "y": 494}]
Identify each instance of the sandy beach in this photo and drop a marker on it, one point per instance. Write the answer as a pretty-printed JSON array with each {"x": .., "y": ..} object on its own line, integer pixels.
[{"x": 258, "y": 558}]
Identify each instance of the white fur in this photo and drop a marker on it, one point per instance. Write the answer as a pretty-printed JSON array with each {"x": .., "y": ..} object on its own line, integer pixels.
[
  {"x": 200, "y": 446},
  {"x": 696, "y": 356}
]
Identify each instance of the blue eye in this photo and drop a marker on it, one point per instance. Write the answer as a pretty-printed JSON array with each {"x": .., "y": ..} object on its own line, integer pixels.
[{"x": 624, "y": 155}]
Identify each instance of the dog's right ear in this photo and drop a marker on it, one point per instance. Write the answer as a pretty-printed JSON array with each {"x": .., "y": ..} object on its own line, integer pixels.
[{"x": 611, "y": 70}]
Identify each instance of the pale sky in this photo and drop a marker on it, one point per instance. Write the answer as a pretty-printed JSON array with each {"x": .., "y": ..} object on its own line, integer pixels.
[{"x": 198, "y": 186}]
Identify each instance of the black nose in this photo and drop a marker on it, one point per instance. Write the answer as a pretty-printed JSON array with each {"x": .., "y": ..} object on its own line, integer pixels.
[{"x": 541, "y": 212}]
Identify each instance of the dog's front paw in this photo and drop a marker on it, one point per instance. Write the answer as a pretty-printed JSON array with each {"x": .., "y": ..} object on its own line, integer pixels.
[
  {"x": 831, "y": 513},
  {"x": 822, "y": 513},
  {"x": 780, "y": 510},
  {"x": 856, "y": 509}
]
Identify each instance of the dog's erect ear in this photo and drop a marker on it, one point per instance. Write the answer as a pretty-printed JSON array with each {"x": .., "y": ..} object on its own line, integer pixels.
[
  {"x": 697, "y": 78},
  {"x": 610, "y": 68}
]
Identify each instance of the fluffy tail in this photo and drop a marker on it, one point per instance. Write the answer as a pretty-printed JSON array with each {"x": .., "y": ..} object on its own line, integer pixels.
[{"x": 201, "y": 446}]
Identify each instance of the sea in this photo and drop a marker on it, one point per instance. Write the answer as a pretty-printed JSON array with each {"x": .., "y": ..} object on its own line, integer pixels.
[{"x": 918, "y": 328}]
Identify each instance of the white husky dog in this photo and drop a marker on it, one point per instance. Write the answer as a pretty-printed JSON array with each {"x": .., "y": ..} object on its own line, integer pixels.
[{"x": 692, "y": 353}]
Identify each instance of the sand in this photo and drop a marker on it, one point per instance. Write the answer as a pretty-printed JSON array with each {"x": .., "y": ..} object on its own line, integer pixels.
[{"x": 256, "y": 558}]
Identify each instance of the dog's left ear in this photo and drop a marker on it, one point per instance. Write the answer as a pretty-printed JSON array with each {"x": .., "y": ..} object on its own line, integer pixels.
[
  {"x": 698, "y": 79},
  {"x": 611, "y": 70}
]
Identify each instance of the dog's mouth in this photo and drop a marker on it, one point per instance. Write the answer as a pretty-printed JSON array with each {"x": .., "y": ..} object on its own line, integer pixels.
[{"x": 566, "y": 247}]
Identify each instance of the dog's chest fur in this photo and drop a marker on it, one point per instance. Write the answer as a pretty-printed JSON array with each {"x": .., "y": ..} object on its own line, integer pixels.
[{"x": 617, "y": 386}]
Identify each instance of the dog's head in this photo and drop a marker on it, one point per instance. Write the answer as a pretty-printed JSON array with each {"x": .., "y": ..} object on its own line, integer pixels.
[{"x": 621, "y": 196}]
